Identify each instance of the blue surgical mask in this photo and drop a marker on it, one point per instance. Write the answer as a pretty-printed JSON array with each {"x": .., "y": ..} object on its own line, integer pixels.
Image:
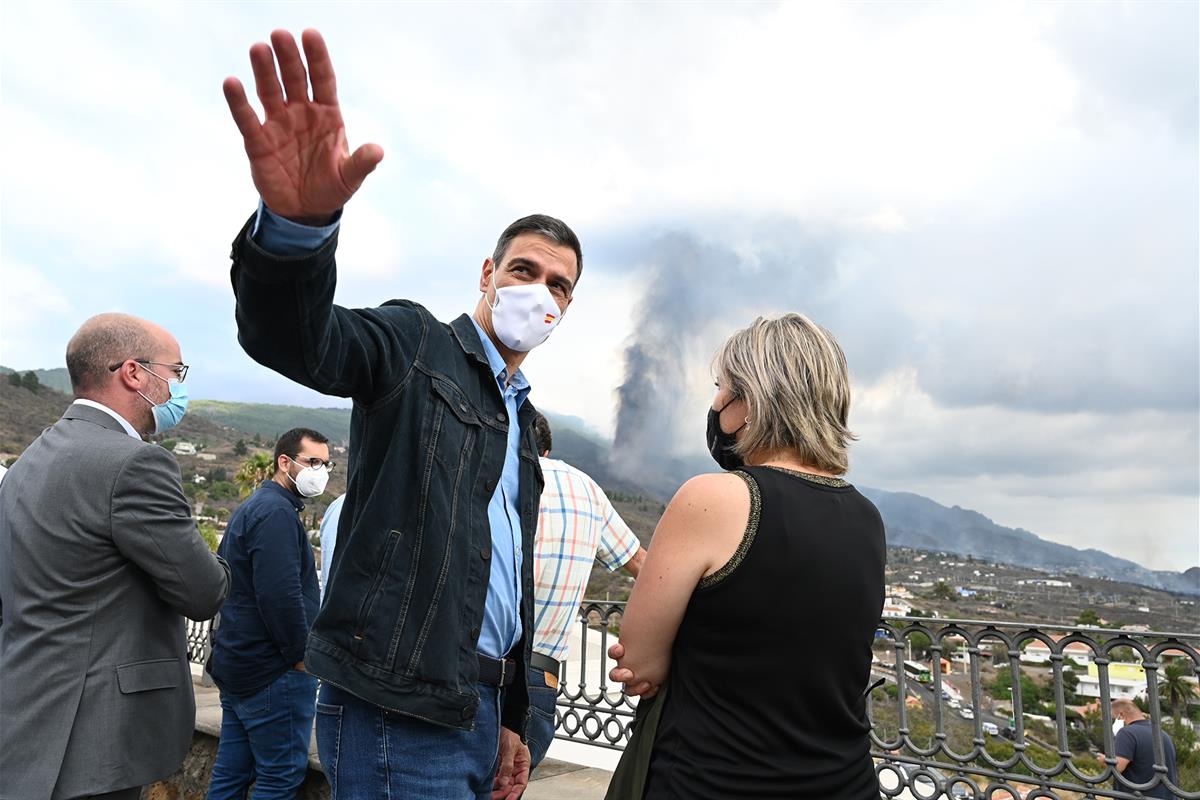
[{"x": 167, "y": 415}]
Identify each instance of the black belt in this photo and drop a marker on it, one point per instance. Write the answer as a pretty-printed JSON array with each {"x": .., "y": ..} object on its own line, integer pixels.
[
  {"x": 546, "y": 664},
  {"x": 496, "y": 671}
]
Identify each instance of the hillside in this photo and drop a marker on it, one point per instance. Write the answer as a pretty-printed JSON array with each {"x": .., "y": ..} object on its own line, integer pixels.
[
  {"x": 269, "y": 421},
  {"x": 57, "y": 379},
  {"x": 207, "y": 476},
  {"x": 911, "y": 520},
  {"x": 918, "y": 522}
]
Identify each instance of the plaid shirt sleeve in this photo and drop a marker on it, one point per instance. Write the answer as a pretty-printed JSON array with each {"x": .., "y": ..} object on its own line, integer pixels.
[{"x": 618, "y": 543}]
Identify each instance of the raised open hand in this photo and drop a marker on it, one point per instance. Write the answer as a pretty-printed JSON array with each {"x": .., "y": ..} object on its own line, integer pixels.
[{"x": 299, "y": 158}]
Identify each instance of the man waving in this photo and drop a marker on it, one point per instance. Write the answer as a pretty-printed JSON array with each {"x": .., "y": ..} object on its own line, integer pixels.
[{"x": 423, "y": 640}]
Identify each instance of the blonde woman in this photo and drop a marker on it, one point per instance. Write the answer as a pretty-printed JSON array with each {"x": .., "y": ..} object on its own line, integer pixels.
[{"x": 753, "y": 616}]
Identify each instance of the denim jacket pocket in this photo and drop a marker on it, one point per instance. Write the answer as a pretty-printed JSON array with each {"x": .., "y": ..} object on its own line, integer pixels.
[{"x": 383, "y": 575}]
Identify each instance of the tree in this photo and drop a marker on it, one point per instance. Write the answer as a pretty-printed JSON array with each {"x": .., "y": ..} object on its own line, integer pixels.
[
  {"x": 30, "y": 381},
  {"x": 239, "y": 448},
  {"x": 253, "y": 471},
  {"x": 1088, "y": 617},
  {"x": 1031, "y": 693},
  {"x": 199, "y": 499},
  {"x": 14, "y": 379},
  {"x": 1176, "y": 689},
  {"x": 208, "y": 532},
  {"x": 919, "y": 643},
  {"x": 943, "y": 591}
]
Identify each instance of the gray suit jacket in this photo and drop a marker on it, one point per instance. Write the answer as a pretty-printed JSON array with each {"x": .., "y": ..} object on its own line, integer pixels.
[{"x": 100, "y": 561}]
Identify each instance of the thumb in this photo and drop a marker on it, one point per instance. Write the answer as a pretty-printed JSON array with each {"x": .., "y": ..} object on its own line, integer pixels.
[{"x": 361, "y": 163}]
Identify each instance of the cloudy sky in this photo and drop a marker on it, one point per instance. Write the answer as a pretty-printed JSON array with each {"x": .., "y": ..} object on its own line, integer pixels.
[{"x": 994, "y": 207}]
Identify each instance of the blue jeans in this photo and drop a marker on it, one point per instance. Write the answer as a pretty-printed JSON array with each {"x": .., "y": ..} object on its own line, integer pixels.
[
  {"x": 540, "y": 732},
  {"x": 264, "y": 739},
  {"x": 370, "y": 753}
]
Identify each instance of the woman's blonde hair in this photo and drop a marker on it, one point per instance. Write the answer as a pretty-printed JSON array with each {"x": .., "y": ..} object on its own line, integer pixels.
[{"x": 793, "y": 376}]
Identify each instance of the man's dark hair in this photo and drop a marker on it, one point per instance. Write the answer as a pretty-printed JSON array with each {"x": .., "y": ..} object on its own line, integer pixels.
[
  {"x": 553, "y": 229},
  {"x": 541, "y": 433},
  {"x": 289, "y": 444}
]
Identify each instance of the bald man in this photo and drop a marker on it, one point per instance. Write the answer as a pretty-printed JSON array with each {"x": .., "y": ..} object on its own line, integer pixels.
[
  {"x": 100, "y": 561},
  {"x": 1133, "y": 740}
]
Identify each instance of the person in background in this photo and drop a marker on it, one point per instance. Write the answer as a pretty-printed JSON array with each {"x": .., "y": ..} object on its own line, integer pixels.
[
  {"x": 329, "y": 529},
  {"x": 267, "y": 699},
  {"x": 100, "y": 561},
  {"x": 742, "y": 560},
  {"x": 577, "y": 525},
  {"x": 1133, "y": 740}
]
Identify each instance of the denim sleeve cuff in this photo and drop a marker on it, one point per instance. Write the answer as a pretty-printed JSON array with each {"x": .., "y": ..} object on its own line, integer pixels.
[{"x": 282, "y": 237}]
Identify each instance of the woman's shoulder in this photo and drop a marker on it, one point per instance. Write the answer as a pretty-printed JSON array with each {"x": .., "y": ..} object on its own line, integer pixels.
[{"x": 711, "y": 501}]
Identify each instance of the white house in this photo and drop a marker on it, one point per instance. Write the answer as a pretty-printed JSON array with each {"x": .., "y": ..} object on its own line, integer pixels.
[
  {"x": 1125, "y": 681},
  {"x": 184, "y": 449},
  {"x": 896, "y": 607},
  {"x": 1036, "y": 652}
]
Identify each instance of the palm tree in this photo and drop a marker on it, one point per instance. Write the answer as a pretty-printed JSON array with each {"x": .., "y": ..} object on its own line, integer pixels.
[
  {"x": 1176, "y": 689},
  {"x": 253, "y": 470}
]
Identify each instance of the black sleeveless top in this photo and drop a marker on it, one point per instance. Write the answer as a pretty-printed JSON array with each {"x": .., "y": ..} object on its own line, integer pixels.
[{"x": 769, "y": 668}]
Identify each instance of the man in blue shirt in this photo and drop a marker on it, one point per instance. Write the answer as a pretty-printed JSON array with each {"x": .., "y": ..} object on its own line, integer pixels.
[
  {"x": 425, "y": 633},
  {"x": 1133, "y": 740},
  {"x": 329, "y": 529},
  {"x": 267, "y": 698}
]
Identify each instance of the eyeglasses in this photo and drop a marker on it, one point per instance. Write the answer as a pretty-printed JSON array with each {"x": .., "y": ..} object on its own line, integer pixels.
[
  {"x": 313, "y": 461},
  {"x": 180, "y": 370}
]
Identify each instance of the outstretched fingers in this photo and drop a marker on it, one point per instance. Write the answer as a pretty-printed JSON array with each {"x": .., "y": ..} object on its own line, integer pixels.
[
  {"x": 243, "y": 114},
  {"x": 320, "y": 67},
  {"x": 262, "y": 61},
  {"x": 295, "y": 77}
]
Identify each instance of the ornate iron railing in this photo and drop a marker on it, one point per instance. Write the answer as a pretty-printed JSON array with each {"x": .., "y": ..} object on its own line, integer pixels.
[
  {"x": 198, "y": 641},
  {"x": 947, "y": 734}
]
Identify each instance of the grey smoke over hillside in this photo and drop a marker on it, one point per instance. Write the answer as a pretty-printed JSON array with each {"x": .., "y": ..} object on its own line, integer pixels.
[{"x": 699, "y": 292}]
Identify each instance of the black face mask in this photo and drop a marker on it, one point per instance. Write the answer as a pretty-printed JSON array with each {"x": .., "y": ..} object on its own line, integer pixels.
[{"x": 720, "y": 443}]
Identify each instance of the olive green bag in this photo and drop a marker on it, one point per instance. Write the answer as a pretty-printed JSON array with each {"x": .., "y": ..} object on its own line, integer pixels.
[{"x": 629, "y": 779}]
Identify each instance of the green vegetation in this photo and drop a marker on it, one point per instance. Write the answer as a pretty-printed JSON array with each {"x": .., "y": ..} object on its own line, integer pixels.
[
  {"x": 270, "y": 421},
  {"x": 209, "y": 533},
  {"x": 253, "y": 471}
]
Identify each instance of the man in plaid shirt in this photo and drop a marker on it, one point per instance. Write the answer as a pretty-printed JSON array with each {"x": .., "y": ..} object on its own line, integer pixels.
[{"x": 576, "y": 526}]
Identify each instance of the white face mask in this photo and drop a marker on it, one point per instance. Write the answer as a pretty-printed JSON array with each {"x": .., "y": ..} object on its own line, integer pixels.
[
  {"x": 524, "y": 315},
  {"x": 311, "y": 481},
  {"x": 1117, "y": 725}
]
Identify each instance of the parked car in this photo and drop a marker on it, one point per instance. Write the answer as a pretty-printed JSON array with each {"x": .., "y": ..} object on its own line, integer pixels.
[
  {"x": 955, "y": 704},
  {"x": 991, "y": 728},
  {"x": 966, "y": 712}
]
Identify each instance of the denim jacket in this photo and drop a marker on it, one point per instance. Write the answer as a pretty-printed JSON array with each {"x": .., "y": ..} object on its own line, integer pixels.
[{"x": 428, "y": 435}]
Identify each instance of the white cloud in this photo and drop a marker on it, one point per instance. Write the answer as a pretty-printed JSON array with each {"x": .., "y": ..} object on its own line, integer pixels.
[
  {"x": 29, "y": 300},
  {"x": 1014, "y": 186}
]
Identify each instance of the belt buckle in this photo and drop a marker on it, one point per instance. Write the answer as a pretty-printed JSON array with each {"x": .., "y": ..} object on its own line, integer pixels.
[{"x": 503, "y": 667}]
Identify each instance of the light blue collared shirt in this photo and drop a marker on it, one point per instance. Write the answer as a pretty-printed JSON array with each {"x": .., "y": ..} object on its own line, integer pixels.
[
  {"x": 329, "y": 529},
  {"x": 501, "y": 629},
  {"x": 282, "y": 237}
]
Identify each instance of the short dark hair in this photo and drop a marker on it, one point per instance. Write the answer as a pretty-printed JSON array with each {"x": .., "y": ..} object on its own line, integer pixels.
[
  {"x": 289, "y": 444},
  {"x": 553, "y": 229},
  {"x": 541, "y": 433}
]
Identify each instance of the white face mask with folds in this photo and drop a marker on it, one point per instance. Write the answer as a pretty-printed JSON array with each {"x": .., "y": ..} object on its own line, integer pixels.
[
  {"x": 310, "y": 481},
  {"x": 1117, "y": 725},
  {"x": 523, "y": 315}
]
